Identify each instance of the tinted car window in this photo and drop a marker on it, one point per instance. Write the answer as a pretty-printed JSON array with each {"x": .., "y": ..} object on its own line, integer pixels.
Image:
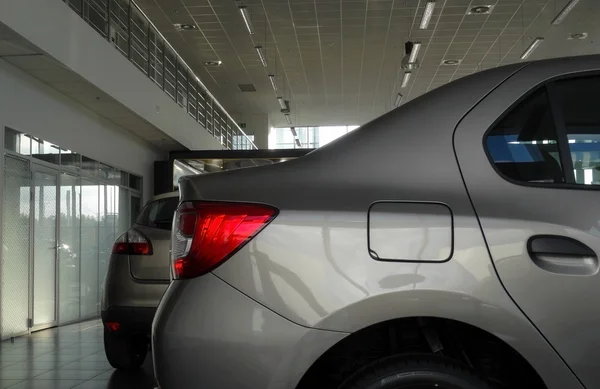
[
  {"x": 524, "y": 146},
  {"x": 580, "y": 110},
  {"x": 159, "y": 213}
]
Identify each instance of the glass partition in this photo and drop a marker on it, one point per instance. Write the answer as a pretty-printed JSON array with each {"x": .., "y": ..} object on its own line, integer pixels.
[{"x": 62, "y": 213}]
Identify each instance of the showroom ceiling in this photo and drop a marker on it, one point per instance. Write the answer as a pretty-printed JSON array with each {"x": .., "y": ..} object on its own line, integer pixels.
[{"x": 339, "y": 61}]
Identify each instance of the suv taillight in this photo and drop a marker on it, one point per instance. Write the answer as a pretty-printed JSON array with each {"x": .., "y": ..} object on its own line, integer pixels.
[
  {"x": 132, "y": 242},
  {"x": 205, "y": 234}
]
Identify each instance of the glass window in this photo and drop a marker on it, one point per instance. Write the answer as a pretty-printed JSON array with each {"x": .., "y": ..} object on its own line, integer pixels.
[
  {"x": 45, "y": 151},
  {"x": 89, "y": 166},
  {"x": 581, "y": 115},
  {"x": 523, "y": 146},
  {"x": 17, "y": 142},
  {"x": 135, "y": 182},
  {"x": 70, "y": 159},
  {"x": 159, "y": 213}
]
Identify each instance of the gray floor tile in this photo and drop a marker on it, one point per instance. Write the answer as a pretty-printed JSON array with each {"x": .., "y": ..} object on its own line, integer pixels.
[
  {"x": 47, "y": 384},
  {"x": 64, "y": 358}
]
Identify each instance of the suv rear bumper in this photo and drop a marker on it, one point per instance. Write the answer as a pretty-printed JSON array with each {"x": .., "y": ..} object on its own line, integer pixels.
[
  {"x": 208, "y": 334},
  {"x": 131, "y": 319}
]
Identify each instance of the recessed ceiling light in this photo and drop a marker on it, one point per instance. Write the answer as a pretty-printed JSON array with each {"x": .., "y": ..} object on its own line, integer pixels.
[
  {"x": 451, "y": 62},
  {"x": 578, "y": 35},
  {"x": 185, "y": 27},
  {"x": 480, "y": 10},
  {"x": 213, "y": 63}
]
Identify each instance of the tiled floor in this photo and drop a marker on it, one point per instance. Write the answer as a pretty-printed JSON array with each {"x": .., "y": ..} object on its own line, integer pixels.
[{"x": 64, "y": 358}]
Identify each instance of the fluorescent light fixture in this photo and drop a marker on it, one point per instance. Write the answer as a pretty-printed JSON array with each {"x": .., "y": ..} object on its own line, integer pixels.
[
  {"x": 288, "y": 119},
  {"x": 398, "y": 100},
  {"x": 261, "y": 55},
  {"x": 282, "y": 103},
  {"x": 536, "y": 42},
  {"x": 415, "y": 52},
  {"x": 246, "y": 17},
  {"x": 294, "y": 132},
  {"x": 273, "y": 81},
  {"x": 563, "y": 14},
  {"x": 429, "y": 7},
  {"x": 405, "y": 79},
  {"x": 298, "y": 142}
]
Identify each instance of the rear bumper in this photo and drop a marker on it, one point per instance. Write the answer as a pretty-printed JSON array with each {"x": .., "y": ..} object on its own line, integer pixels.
[
  {"x": 208, "y": 334},
  {"x": 131, "y": 319}
]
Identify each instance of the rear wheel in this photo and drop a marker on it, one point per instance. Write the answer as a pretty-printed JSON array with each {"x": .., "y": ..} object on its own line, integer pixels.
[
  {"x": 419, "y": 372},
  {"x": 125, "y": 351}
]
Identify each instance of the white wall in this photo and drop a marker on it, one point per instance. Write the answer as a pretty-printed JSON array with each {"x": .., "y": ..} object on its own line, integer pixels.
[
  {"x": 53, "y": 27},
  {"x": 30, "y": 106}
]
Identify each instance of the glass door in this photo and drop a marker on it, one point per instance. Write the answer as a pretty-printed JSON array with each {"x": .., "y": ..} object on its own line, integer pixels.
[{"x": 45, "y": 246}]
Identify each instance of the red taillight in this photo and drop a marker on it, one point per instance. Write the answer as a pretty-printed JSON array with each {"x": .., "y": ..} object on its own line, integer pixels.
[
  {"x": 205, "y": 234},
  {"x": 113, "y": 326},
  {"x": 132, "y": 242}
]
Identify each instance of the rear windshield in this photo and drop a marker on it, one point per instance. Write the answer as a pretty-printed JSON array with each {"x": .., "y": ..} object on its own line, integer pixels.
[{"x": 159, "y": 213}]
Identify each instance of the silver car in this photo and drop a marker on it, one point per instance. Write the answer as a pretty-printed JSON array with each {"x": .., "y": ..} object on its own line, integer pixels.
[
  {"x": 451, "y": 243},
  {"x": 138, "y": 275}
]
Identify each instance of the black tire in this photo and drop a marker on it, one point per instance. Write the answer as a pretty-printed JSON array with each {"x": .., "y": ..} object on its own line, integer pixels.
[
  {"x": 125, "y": 352},
  {"x": 416, "y": 372}
]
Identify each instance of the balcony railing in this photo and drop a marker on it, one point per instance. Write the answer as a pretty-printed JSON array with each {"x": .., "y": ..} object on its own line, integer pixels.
[{"x": 126, "y": 27}]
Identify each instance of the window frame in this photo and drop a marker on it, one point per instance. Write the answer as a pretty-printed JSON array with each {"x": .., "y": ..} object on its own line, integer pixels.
[{"x": 562, "y": 139}]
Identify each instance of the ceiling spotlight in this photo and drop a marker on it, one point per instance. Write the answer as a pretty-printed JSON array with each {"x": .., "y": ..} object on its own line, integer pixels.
[
  {"x": 185, "y": 27},
  {"x": 273, "y": 81},
  {"x": 261, "y": 55},
  {"x": 480, "y": 10},
  {"x": 451, "y": 62},
  {"x": 565, "y": 11},
  {"x": 288, "y": 119},
  {"x": 246, "y": 17},
  {"x": 405, "y": 79},
  {"x": 213, "y": 63},
  {"x": 534, "y": 45},
  {"x": 578, "y": 35},
  {"x": 427, "y": 14},
  {"x": 398, "y": 100},
  {"x": 410, "y": 61}
]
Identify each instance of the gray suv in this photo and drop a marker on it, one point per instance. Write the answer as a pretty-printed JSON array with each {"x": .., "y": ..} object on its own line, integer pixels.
[
  {"x": 138, "y": 274},
  {"x": 450, "y": 243}
]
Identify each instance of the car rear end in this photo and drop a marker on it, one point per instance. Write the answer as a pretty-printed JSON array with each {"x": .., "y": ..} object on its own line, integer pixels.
[
  {"x": 207, "y": 333},
  {"x": 137, "y": 277}
]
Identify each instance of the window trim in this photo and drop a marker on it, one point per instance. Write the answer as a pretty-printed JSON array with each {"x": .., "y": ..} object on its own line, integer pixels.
[{"x": 562, "y": 138}]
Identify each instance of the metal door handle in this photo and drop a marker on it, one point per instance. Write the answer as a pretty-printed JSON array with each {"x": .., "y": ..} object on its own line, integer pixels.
[{"x": 563, "y": 255}]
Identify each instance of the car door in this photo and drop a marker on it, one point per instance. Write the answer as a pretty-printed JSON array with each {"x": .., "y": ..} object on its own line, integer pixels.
[{"x": 530, "y": 154}]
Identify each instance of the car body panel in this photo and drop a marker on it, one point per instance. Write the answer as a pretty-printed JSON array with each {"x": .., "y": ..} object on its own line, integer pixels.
[
  {"x": 562, "y": 306},
  {"x": 311, "y": 265},
  {"x": 155, "y": 267},
  {"x": 229, "y": 341},
  {"x": 121, "y": 290}
]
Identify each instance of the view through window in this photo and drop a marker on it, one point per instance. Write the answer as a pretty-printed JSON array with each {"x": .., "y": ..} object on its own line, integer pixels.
[{"x": 306, "y": 137}]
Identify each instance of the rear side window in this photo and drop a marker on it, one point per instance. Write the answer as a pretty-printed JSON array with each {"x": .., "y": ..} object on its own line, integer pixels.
[
  {"x": 565, "y": 114},
  {"x": 524, "y": 144},
  {"x": 159, "y": 213},
  {"x": 579, "y": 106}
]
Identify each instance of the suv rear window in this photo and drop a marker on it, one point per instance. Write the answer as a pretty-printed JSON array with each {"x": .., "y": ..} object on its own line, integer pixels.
[{"x": 159, "y": 213}]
